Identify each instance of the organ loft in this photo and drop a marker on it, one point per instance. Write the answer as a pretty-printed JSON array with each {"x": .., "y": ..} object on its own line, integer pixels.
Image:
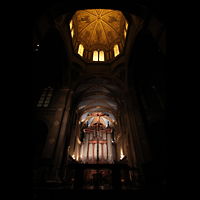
[{"x": 97, "y": 146}]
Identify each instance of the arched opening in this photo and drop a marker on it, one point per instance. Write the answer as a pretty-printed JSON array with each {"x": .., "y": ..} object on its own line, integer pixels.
[{"x": 96, "y": 108}]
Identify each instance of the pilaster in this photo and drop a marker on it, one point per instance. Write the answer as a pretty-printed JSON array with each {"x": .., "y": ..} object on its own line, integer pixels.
[
  {"x": 62, "y": 137},
  {"x": 53, "y": 138},
  {"x": 137, "y": 131}
]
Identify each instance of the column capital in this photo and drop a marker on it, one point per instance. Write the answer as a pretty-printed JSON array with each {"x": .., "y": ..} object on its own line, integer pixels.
[{"x": 71, "y": 93}]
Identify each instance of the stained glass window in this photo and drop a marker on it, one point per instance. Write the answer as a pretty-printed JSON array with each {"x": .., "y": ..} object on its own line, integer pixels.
[
  {"x": 72, "y": 32},
  {"x": 116, "y": 50},
  {"x": 71, "y": 25},
  {"x": 125, "y": 29},
  {"x": 45, "y": 98},
  {"x": 95, "y": 56},
  {"x": 98, "y": 56},
  {"x": 80, "y": 50},
  {"x": 125, "y": 34},
  {"x": 101, "y": 56},
  {"x": 126, "y": 25}
]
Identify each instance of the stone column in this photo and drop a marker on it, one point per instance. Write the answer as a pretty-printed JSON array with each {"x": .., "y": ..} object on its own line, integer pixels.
[
  {"x": 62, "y": 135},
  {"x": 138, "y": 137},
  {"x": 137, "y": 124},
  {"x": 52, "y": 138}
]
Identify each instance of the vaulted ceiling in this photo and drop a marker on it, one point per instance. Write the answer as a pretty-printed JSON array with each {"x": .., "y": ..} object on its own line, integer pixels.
[
  {"x": 99, "y": 28},
  {"x": 98, "y": 96}
]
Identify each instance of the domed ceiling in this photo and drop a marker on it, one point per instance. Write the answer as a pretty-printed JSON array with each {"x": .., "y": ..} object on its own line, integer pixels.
[{"x": 99, "y": 28}]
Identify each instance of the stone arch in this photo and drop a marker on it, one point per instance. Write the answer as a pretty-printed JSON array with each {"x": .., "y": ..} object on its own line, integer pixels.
[{"x": 100, "y": 76}]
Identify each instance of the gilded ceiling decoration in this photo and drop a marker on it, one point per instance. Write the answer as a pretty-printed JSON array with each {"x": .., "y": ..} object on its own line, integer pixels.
[{"x": 99, "y": 28}]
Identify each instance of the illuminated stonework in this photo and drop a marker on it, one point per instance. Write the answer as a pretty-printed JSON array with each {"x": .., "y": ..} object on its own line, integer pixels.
[{"x": 98, "y": 30}]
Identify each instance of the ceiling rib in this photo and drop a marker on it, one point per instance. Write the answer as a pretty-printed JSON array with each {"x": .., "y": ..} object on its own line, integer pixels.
[
  {"x": 110, "y": 27},
  {"x": 87, "y": 27},
  {"x": 105, "y": 35}
]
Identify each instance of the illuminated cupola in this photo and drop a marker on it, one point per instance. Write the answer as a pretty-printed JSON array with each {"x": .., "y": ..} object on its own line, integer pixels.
[{"x": 98, "y": 35}]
